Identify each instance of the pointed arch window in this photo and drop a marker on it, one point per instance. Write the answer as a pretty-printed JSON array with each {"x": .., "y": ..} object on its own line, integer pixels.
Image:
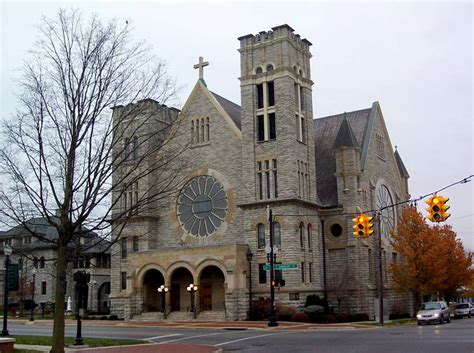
[
  {"x": 277, "y": 235},
  {"x": 310, "y": 230},
  {"x": 260, "y": 236},
  {"x": 301, "y": 228}
]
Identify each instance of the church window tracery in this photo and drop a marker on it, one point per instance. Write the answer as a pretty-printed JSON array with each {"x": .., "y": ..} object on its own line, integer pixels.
[
  {"x": 277, "y": 235},
  {"x": 202, "y": 206}
]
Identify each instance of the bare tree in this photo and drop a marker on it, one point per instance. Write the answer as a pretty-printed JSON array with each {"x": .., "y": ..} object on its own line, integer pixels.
[{"x": 62, "y": 147}]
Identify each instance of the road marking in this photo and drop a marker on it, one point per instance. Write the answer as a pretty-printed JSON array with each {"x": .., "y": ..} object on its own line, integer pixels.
[
  {"x": 190, "y": 337},
  {"x": 158, "y": 337},
  {"x": 250, "y": 338}
]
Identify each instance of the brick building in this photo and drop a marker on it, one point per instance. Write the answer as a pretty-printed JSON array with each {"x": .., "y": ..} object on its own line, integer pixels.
[{"x": 267, "y": 153}]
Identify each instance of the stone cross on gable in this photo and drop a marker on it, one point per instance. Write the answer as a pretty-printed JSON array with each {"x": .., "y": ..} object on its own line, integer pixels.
[{"x": 201, "y": 66}]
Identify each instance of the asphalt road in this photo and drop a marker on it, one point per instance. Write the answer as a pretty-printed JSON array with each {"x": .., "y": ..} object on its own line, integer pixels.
[{"x": 456, "y": 337}]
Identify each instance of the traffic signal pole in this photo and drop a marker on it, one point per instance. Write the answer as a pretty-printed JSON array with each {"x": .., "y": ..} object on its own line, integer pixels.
[
  {"x": 380, "y": 273},
  {"x": 272, "y": 321}
]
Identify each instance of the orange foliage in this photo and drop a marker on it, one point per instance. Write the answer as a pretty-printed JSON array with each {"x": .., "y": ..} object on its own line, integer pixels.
[{"x": 433, "y": 259}]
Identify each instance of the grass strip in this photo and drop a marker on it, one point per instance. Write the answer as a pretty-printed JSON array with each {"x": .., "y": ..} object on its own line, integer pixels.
[{"x": 91, "y": 342}]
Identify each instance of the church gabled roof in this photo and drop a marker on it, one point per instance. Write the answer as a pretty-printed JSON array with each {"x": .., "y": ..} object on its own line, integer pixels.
[
  {"x": 401, "y": 166},
  {"x": 230, "y": 107},
  {"x": 326, "y": 131},
  {"x": 345, "y": 137}
]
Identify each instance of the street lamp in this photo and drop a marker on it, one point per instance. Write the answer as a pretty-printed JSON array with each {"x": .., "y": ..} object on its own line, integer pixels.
[
  {"x": 163, "y": 290},
  {"x": 33, "y": 296},
  {"x": 192, "y": 288},
  {"x": 7, "y": 250}
]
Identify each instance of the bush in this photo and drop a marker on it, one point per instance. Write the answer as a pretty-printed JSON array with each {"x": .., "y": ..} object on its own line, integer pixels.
[
  {"x": 300, "y": 317},
  {"x": 103, "y": 317},
  {"x": 398, "y": 316},
  {"x": 342, "y": 318},
  {"x": 358, "y": 317},
  {"x": 260, "y": 309},
  {"x": 285, "y": 312},
  {"x": 314, "y": 299},
  {"x": 113, "y": 317}
]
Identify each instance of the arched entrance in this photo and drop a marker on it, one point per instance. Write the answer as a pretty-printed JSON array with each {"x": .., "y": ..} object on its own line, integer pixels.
[
  {"x": 180, "y": 299},
  {"x": 151, "y": 281},
  {"x": 211, "y": 289},
  {"x": 103, "y": 301}
]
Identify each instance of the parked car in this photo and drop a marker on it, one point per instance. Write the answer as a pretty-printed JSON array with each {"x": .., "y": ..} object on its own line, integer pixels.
[
  {"x": 433, "y": 312},
  {"x": 463, "y": 309}
]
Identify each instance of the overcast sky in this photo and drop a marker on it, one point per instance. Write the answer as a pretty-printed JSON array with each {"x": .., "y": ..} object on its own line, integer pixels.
[{"x": 415, "y": 58}]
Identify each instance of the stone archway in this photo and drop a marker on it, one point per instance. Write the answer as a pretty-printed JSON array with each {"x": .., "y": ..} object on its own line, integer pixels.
[
  {"x": 180, "y": 299},
  {"x": 211, "y": 289},
  {"x": 151, "y": 281},
  {"x": 103, "y": 300}
]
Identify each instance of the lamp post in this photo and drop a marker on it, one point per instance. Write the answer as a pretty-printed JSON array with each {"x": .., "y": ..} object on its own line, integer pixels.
[
  {"x": 272, "y": 320},
  {"x": 192, "y": 289},
  {"x": 163, "y": 290},
  {"x": 32, "y": 312},
  {"x": 7, "y": 250}
]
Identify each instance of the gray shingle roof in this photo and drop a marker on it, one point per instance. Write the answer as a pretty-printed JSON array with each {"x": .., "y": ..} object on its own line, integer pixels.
[
  {"x": 230, "y": 107},
  {"x": 326, "y": 130}
]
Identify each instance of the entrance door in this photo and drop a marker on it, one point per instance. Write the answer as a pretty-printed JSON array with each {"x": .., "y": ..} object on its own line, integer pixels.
[
  {"x": 175, "y": 296},
  {"x": 205, "y": 296}
]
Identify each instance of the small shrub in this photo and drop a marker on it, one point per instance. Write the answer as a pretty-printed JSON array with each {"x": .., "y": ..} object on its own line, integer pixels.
[
  {"x": 342, "y": 318},
  {"x": 103, "y": 317},
  {"x": 300, "y": 317},
  {"x": 358, "y": 317},
  {"x": 260, "y": 309},
  {"x": 285, "y": 312},
  {"x": 314, "y": 299},
  {"x": 113, "y": 317}
]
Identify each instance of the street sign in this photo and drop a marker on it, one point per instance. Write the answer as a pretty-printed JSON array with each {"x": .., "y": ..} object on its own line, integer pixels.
[
  {"x": 281, "y": 267},
  {"x": 13, "y": 277}
]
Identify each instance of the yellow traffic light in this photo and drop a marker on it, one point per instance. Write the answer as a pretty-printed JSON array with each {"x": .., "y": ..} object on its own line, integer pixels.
[
  {"x": 437, "y": 208},
  {"x": 368, "y": 226},
  {"x": 444, "y": 207},
  {"x": 359, "y": 226}
]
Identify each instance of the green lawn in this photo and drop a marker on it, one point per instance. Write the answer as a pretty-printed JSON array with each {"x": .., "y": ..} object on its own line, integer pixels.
[{"x": 91, "y": 342}]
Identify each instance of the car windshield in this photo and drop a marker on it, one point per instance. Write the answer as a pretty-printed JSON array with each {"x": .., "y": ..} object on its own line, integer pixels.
[
  {"x": 430, "y": 306},
  {"x": 462, "y": 306}
]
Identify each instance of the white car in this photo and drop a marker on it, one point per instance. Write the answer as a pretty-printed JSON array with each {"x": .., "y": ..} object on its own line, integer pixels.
[
  {"x": 463, "y": 309},
  {"x": 433, "y": 313}
]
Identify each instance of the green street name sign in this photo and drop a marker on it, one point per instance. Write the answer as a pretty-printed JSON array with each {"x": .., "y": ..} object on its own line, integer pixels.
[{"x": 281, "y": 267}]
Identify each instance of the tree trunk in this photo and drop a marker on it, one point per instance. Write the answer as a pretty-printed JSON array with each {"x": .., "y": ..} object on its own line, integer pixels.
[{"x": 58, "y": 328}]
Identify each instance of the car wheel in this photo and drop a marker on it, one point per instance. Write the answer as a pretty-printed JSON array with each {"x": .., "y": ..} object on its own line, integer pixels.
[{"x": 449, "y": 319}]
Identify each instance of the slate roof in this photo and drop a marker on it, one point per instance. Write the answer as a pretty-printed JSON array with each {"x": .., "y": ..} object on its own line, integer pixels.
[
  {"x": 401, "y": 166},
  {"x": 230, "y": 107},
  {"x": 42, "y": 228},
  {"x": 326, "y": 131},
  {"x": 345, "y": 137}
]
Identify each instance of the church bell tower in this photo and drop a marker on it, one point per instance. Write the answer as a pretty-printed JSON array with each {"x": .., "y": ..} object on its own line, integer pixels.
[{"x": 277, "y": 127}]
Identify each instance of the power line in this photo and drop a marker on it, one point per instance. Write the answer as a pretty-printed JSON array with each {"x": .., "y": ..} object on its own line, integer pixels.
[{"x": 410, "y": 201}]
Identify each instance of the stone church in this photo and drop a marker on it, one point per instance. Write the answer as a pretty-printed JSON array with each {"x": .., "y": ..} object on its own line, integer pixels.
[{"x": 206, "y": 244}]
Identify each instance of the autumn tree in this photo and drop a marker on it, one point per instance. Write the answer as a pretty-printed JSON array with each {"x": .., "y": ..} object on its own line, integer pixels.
[
  {"x": 433, "y": 260},
  {"x": 61, "y": 148},
  {"x": 418, "y": 249},
  {"x": 456, "y": 264}
]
